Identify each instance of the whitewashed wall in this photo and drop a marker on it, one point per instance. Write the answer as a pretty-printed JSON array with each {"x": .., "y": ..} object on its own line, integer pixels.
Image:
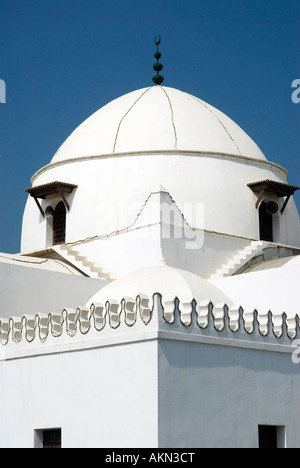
[
  {"x": 113, "y": 190},
  {"x": 216, "y": 396},
  {"x": 104, "y": 397},
  {"x": 174, "y": 381}
]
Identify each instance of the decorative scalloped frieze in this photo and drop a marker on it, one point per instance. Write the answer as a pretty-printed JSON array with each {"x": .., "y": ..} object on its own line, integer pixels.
[{"x": 172, "y": 312}]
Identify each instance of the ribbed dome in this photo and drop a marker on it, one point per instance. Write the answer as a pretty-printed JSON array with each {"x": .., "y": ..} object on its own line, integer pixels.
[{"x": 157, "y": 119}]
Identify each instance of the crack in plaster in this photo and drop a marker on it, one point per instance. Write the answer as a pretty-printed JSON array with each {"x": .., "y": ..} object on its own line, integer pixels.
[
  {"x": 126, "y": 113},
  {"x": 220, "y": 122},
  {"x": 172, "y": 118}
]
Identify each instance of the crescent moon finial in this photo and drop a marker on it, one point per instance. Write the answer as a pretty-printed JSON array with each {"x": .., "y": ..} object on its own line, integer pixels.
[{"x": 157, "y": 41}]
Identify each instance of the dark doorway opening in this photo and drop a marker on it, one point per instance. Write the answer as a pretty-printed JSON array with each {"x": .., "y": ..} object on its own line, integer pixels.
[
  {"x": 52, "y": 438},
  {"x": 59, "y": 224},
  {"x": 267, "y": 436},
  {"x": 265, "y": 223}
]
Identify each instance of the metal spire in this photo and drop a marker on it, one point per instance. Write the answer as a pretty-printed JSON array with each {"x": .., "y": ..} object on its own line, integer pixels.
[{"x": 157, "y": 79}]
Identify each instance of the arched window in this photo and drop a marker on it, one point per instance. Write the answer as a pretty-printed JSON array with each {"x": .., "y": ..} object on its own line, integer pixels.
[
  {"x": 265, "y": 223},
  {"x": 59, "y": 224}
]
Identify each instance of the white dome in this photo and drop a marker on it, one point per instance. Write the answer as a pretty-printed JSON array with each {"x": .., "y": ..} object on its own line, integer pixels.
[
  {"x": 168, "y": 281},
  {"x": 154, "y": 141},
  {"x": 157, "y": 119}
]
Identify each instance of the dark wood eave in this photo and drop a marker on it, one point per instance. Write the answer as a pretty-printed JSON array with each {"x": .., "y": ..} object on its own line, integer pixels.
[
  {"x": 41, "y": 191},
  {"x": 281, "y": 190},
  {"x": 278, "y": 188}
]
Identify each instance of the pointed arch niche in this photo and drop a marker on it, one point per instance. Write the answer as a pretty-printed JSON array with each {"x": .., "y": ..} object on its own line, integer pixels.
[
  {"x": 265, "y": 223},
  {"x": 59, "y": 224},
  {"x": 269, "y": 226},
  {"x": 55, "y": 213}
]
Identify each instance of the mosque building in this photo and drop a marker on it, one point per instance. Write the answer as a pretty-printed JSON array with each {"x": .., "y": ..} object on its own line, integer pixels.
[{"x": 155, "y": 300}]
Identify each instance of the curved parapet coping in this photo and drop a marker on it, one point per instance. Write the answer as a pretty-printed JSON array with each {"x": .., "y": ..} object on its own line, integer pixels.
[{"x": 172, "y": 310}]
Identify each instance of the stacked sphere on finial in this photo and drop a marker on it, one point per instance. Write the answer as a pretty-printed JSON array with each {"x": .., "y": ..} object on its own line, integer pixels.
[{"x": 157, "y": 79}]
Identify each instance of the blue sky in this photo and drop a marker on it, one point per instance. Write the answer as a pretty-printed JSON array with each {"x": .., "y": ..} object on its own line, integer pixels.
[{"x": 62, "y": 60}]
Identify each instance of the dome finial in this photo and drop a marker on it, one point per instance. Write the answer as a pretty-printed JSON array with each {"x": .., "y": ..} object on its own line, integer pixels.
[{"x": 157, "y": 79}]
